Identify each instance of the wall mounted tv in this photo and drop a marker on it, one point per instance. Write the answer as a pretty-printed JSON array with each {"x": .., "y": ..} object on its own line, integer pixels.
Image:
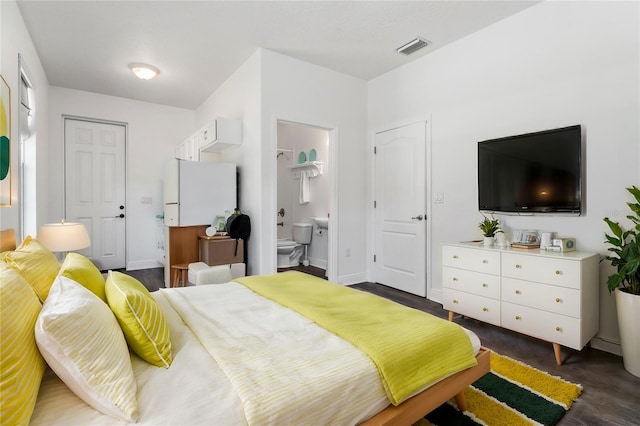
[{"x": 532, "y": 173}]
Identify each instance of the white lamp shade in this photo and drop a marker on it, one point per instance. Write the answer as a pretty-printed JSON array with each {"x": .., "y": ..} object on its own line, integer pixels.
[{"x": 66, "y": 236}]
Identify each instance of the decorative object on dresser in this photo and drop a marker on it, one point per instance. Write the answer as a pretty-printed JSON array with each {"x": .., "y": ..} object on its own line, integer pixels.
[
  {"x": 525, "y": 239},
  {"x": 547, "y": 295},
  {"x": 625, "y": 247},
  {"x": 489, "y": 228}
]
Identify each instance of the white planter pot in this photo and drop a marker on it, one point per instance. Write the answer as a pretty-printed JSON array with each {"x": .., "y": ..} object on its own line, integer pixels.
[
  {"x": 489, "y": 241},
  {"x": 628, "y": 306}
]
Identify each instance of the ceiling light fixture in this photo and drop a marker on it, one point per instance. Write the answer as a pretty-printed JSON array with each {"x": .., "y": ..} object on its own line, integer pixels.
[
  {"x": 144, "y": 71},
  {"x": 412, "y": 46}
]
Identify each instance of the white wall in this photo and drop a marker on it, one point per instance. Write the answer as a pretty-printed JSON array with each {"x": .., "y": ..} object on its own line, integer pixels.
[
  {"x": 240, "y": 97},
  {"x": 153, "y": 131},
  {"x": 552, "y": 65},
  {"x": 300, "y": 92},
  {"x": 269, "y": 87},
  {"x": 16, "y": 40}
]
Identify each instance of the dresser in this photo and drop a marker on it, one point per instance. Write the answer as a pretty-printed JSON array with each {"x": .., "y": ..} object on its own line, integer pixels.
[{"x": 548, "y": 295}]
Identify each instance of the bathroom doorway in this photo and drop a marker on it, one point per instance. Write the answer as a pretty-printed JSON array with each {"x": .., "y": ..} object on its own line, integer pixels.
[{"x": 303, "y": 197}]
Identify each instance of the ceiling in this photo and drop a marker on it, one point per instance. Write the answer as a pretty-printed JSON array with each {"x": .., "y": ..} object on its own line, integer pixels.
[{"x": 197, "y": 45}]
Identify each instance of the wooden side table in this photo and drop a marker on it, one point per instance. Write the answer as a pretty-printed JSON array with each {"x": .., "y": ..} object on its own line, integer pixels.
[{"x": 180, "y": 271}]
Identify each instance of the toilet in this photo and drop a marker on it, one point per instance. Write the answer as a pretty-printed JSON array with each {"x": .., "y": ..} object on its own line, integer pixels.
[{"x": 290, "y": 252}]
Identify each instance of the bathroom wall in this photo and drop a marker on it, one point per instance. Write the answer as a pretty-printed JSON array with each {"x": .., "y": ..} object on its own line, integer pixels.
[{"x": 294, "y": 139}]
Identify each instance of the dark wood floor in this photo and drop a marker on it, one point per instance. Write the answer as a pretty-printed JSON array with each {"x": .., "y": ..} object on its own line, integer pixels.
[
  {"x": 611, "y": 396},
  {"x": 311, "y": 270}
]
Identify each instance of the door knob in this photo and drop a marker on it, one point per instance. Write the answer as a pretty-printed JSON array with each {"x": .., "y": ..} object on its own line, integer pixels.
[
  {"x": 121, "y": 207},
  {"x": 121, "y": 215},
  {"x": 417, "y": 217}
]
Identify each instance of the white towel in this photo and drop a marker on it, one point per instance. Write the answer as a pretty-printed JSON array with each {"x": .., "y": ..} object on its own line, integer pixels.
[{"x": 305, "y": 195}]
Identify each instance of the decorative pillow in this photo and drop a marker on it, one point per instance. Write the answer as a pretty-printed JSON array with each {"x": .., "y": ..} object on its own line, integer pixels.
[
  {"x": 21, "y": 365},
  {"x": 81, "y": 341},
  {"x": 83, "y": 271},
  {"x": 36, "y": 264},
  {"x": 140, "y": 317}
]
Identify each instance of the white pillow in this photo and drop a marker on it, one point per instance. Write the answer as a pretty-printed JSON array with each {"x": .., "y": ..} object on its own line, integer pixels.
[{"x": 80, "y": 339}]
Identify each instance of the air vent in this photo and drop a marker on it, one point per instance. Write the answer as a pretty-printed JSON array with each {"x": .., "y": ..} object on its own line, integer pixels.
[{"x": 412, "y": 46}]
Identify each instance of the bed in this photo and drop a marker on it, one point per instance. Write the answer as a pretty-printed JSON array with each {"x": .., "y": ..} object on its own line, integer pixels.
[{"x": 240, "y": 357}]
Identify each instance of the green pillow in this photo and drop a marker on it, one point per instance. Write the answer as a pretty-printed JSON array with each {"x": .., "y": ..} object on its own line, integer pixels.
[
  {"x": 140, "y": 318},
  {"x": 83, "y": 271}
]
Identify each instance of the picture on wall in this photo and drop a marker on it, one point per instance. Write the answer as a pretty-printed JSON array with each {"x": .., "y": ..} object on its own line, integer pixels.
[{"x": 5, "y": 143}]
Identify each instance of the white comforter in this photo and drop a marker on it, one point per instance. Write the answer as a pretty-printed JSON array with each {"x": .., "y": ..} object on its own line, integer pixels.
[
  {"x": 286, "y": 369},
  {"x": 196, "y": 391}
]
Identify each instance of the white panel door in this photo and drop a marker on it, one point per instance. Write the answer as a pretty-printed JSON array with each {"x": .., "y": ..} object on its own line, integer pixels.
[
  {"x": 95, "y": 187},
  {"x": 400, "y": 219}
]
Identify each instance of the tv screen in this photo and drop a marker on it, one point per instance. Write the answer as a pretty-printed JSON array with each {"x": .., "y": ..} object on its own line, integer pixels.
[{"x": 531, "y": 173}]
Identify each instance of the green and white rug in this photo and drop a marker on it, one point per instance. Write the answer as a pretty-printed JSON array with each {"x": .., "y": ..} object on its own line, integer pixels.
[{"x": 512, "y": 394}]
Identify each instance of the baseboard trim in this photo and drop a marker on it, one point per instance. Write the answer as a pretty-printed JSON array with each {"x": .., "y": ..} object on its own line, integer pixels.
[
  {"x": 318, "y": 263},
  {"x": 434, "y": 295},
  {"x": 143, "y": 264},
  {"x": 606, "y": 346},
  {"x": 352, "y": 279}
]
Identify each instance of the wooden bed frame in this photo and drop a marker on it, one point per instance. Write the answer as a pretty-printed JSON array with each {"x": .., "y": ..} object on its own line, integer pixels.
[
  {"x": 7, "y": 240},
  {"x": 426, "y": 401}
]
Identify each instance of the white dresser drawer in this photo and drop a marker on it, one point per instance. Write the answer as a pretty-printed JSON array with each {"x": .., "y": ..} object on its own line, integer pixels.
[
  {"x": 471, "y": 305},
  {"x": 543, "y": 325},
  {"x": 560, "y": 300},
  {"x": 562, "y": 272},
  {"x": 471, "y": 282},
  {"x": 484, "y": 261}
]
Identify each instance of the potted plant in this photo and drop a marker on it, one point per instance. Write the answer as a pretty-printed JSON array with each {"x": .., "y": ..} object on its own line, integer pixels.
[
  {"x": 489, "y": 228},
  {"x": 625, "y": 246}
]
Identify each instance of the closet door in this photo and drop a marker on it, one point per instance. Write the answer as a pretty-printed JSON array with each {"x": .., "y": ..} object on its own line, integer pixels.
[{"x": 400, "y": 219}]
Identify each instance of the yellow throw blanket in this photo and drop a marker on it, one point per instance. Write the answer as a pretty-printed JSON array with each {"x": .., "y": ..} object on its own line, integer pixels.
[{"x": 410, "y": 348}]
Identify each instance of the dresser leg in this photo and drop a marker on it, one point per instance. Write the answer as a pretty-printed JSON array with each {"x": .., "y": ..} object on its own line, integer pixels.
[
  {"x": 451, "y": 313},
  {"x": 558, "y": 353}
]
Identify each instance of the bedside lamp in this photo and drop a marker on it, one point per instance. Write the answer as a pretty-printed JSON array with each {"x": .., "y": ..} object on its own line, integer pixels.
[{"x": 64, "y": 236}]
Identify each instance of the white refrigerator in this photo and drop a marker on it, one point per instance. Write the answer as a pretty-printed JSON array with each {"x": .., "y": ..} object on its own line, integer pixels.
[{"x": 196, "y": 192}]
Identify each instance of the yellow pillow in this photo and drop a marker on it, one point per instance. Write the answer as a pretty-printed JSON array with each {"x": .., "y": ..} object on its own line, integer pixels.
[
  {"x": 21, "y": 365},
  {"x": 83, "y": 271},
  {"x": 36, "y": 264},
  {"x": 140, "y": 318},
  {"x": 81, "y": 341}
]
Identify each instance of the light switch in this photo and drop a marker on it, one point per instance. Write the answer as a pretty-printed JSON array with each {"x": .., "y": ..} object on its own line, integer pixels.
[
  {"x": 438, "y": 197},
  {"x": 146, "y": 200}
]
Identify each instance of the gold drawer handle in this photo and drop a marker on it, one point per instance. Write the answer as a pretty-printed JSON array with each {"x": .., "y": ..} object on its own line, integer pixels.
[
  {"x": 518, "y": 266},
  {"x": 518, "y": 292},
  {"x": 485, "y": 285},
  {"x": 558, "y": 300},
  {"x": 485, "y": 309},
  {"x": 455, "y": 256},
  {"x": 518, "y": 317},
  {"x": 485, "y": 261},
  {"x": 455, "y": 279},
  {"x": 558, "y": 272},
  {"x": 558, "y": 328},
  {"x": 455, "y": 301}
]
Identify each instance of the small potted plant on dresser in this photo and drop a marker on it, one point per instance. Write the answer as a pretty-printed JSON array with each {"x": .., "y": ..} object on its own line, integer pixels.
[
  {"x": 489, "y": 228},
  {"x": 625, "y": 257}
]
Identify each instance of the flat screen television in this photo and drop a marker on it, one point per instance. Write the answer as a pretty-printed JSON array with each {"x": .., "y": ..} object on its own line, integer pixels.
[{"x": 532, "y": 173}]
